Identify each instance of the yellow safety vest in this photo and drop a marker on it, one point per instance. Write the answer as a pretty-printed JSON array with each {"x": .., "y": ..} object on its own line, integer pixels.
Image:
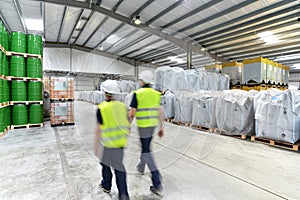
[
  {"x": 115, "y": 126},
  {"x": 148, "y": 104}
]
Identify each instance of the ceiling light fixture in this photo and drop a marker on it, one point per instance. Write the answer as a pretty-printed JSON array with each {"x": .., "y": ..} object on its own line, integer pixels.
[
  {"x": 78, "y": 25},
  {"x": 268, "y": 37},
  {"x": 112, "y": 39},
  {"x": 34, "y": 24},
  {"x": 137, "y": 20}
]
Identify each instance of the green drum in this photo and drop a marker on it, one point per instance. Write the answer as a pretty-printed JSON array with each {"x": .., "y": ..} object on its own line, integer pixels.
[
  {"x": 36, "y": 114},
  {"x": 34, "y": 44},
  {"x": 5, "y": 65},
  {"x": 18, "y": 42},
  {"x": 7, "y": 116},
  {"x": 19, "y": 114},
  {"x": 18, "y": 91},
  {"x": 1, "y": 32},
  {"x": 17, "y": 66},
  {"x": 6, "y": 91},
  {"x": 1, "y": 63},
  {"x": 2, "y": 122},
  {"x": 35, "y": 91},
  {"x": 34, "y": 68},
  {"x": 1, "y": 90},
  {"x": 6, "y": 40}
]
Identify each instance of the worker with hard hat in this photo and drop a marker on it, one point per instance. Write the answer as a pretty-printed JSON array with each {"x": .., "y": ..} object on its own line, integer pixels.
[
  {"x": 113, "y": 129},
  {"x": 145, "y": 107}
]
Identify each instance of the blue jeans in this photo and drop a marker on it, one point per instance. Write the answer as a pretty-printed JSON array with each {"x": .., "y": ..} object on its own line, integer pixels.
[
  {"x": 114, "y": 158},
  {"x": 146, "y": 155}
]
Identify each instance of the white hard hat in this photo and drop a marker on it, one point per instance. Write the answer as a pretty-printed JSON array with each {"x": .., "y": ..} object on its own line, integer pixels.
[
  {"x": 146, "y": 76},
  {"x": 111, "y": 87}
]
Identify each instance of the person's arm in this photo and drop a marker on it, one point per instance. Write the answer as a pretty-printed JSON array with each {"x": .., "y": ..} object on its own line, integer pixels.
[
  {"x": 161, "y": 122},
  {"x": 97, "y": 141},
  {"x": 133, "y": 108}
]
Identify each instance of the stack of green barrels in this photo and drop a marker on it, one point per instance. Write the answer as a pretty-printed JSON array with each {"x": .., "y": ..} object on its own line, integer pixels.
[
  {"x": 26, "y": 90},
  {"x": 4, "y": 84}
]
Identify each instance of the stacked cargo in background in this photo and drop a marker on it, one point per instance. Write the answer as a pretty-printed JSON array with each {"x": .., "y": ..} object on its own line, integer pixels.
[
  {"x": 234, "y": 70},
  {"x": 62, "y": 101},
  {"x": 214, "y": 68},
  {"x": 21, "y": 76},
  {"x": 277, "y": 115}
]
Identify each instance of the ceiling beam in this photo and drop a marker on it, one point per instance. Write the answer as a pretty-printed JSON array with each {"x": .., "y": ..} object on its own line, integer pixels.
[
  {"x": 259, "y": 46},
  {"x": 20, "y": 14},
  {"x": 95, "y": 30},
  {"x": 162, "y": 13},
  {"x": 154, "y": 50},
  {"x": 115, "y": 8},
  {"x": 269, "y": 56},
  {"x": 74, "y": 28},
  {"x": 133, "y": 43},
  {"x": 129, "y": 61},
  {"x": 111, "y": 33},
  {"x": 4, "y": 22},
  {"x": 193, "y": 12},
  {"x": 248, "y": 41},
  {"x": 126, "y": 36},
  {"x": 215, "y": 36},
  {"x": 240, "y": 18},
  {"x": 43, "y": 11},
  {"x": 62, "y": 23},
  {"x": 138, "y": 11},
  {"x": 179, "y": 42},
  {"x": 81, "y": 30},
  {"x": 217, "y": 15}
]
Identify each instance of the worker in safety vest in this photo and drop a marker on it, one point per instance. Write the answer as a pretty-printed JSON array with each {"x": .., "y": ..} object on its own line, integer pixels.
[
  {"x": 145, "y": 107},
  {"x": 113, "y": 129}
]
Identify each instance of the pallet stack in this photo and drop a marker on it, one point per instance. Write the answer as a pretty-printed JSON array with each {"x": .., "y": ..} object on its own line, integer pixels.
[
  {"x": 62, "y": 101},
  {"x": 21, "y": 80}
]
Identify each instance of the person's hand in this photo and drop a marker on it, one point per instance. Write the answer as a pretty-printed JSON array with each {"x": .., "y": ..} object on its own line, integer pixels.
[
  {"x": 97, "y": 151},
  {"x": 161, "y": 133}
]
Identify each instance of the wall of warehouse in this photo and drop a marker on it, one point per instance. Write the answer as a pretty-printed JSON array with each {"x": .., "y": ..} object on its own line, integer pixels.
[{"x": 65, "y": 59}]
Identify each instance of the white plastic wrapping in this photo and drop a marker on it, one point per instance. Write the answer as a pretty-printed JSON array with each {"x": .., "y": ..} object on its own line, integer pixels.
[
  {"x": 167, "y": 101},
  {"x": 235, "y": 112},
  {"x": 189, "y": 80},
  {"x": 204, "y": 109},
  {"x": 183, "y": 107},
  {"x": 277, "y": 115},
  {"x": 127, "y": 86}
]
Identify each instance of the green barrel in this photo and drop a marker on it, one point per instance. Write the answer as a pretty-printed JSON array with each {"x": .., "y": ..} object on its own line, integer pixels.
[
  {"x": 6, "y": 91},
  {"x": 19, "y": 114},
  {"x": 34, "y": 68},
  {"x": 5, "y": 65},
  {"x": 7, "y": 116},
  {"x": 36, "y": 114},
  {"x": 17, "y": 66},
  {"x": 18, "y": 42},
  {"x": 35, "y": 91},
  {"x": 1, "y": 63},
  {"x": 2, "y": 122},
  {"x": 34, "y": 44},
  {"x": 6, "y": 40},
  {"x": 1, "y": 90},
  {"x": 18, "y": 91},
  {"x": 1, "y": 32}
]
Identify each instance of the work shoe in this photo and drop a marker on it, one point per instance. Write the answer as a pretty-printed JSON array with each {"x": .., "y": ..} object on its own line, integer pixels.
[
  {"x": 141, "y": 172},
  {"x": 103, "y": 189},
  {"x": 156, "y": 190}
]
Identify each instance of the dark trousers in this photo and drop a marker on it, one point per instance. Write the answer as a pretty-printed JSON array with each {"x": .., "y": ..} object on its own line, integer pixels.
[
  {"x": 114, "y": 158},
  {"x": 146, "y": 155}
]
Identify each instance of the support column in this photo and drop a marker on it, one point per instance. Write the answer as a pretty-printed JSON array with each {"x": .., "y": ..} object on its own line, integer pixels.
[
  {"x": 189, "y": 57},
  {"x": 136, "y": 72}
]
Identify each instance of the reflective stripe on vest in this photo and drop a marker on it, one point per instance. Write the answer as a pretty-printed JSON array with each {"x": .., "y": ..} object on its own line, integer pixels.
[
  {"x": 115, "y": 125},
  {"x": 147, "y": 113}
]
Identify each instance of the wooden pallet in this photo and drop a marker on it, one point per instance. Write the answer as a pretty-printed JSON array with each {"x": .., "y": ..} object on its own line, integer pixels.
[
  {"x": 63, "y": 124},
  {"x": 2, "y": 49},
  {"x": 2, "y": 134},
  {"x": 26, "y": 126},
  {"x": 237, "y": 136},
  {"x": 202, "y": 128},
  {"x": 4, "y": 104},
  {"x": 25, "y": 55},
  {"x": 11, "y": 78},
  {"x": 25, "y": 102},
  {"x": 62, "y": 99},
  {"x": 276, "y": 143}
]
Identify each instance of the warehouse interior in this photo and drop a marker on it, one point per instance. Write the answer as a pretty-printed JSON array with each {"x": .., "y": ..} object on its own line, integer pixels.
[{"x": 229, "y": 77}]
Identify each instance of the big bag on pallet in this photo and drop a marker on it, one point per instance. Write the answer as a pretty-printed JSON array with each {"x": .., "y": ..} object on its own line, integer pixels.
[
  {"x": 277, "y": 115},
  {"x": 167, "y": 101},
  {"x": 183, "y": 107},
  {"x": 235, "y": 112},
  {"x": 204, "y": 109}
]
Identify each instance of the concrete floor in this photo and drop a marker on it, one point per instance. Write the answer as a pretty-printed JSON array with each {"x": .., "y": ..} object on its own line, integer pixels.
[{"x": 58, "y": 163}]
